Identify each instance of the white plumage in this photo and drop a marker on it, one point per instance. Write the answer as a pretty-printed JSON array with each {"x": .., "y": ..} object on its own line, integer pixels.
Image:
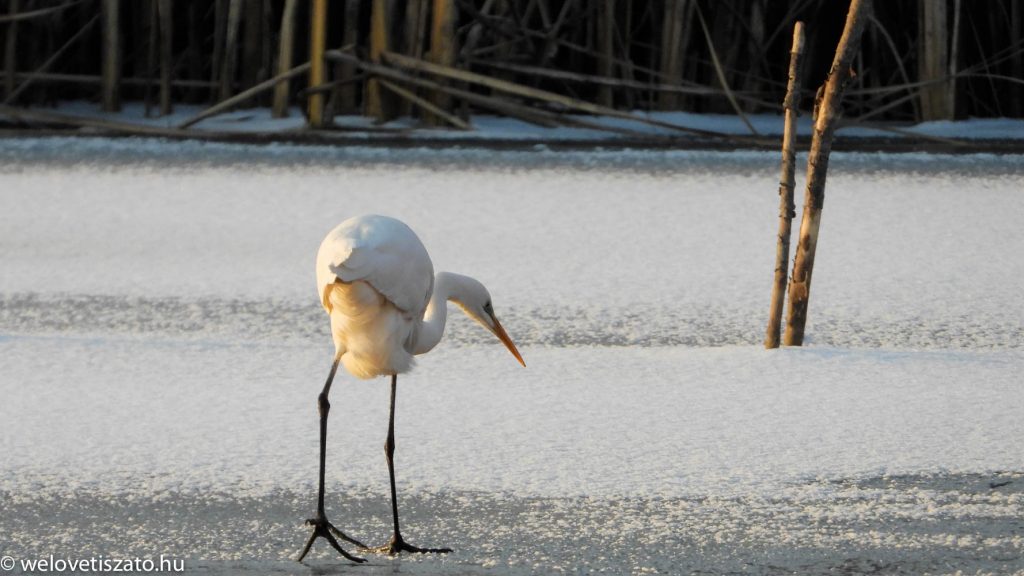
[
  {"x": 377, "y": 283},
  {"x": 386, "y": 279}
]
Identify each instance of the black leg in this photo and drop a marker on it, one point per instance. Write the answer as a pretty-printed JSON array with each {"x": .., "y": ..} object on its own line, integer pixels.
[
  {"x": 389, "y": 453},
  {"x": 321, "y": 527},
  {"x": 397, "y": 543}
]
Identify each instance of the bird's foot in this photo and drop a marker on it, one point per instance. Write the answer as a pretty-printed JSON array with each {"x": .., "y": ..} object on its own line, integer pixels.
[
  {"x": 324, "y": 529},
  {"x": 398, "y": 544}
]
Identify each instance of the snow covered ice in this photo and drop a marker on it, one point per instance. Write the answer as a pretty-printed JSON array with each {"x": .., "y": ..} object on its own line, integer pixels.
[{"x": 161, "y": 349}]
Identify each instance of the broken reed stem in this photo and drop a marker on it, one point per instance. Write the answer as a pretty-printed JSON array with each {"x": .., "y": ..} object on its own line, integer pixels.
[
  {"x": 525, "y": 113},
  {"x": 10, "y": 52},
  {"x": 166, "y": 34},
  {"x": 252, "y": 67},
  {"x": 537, "y": 94},
  {"x": 111, "y": 56},
  {"x": 375, "y": 107},
  {"x": 38, "y": 74},
  {"x": 933, "y": 61},
  {"x": 787, "y": 184},
  {"x": 616, "y": 82},
  {"x": 46, "y": 117},
  {"x": 344, "y": 95},
  {"x": 899, "y": 64},
  {"x": 671, "y": 64},
  {"x": 606, "y": 41},
  {"x": 15, "y": 16},
  {"x": 227, "y": 74},
  {"x": 285, "y": 49},
  {"x": 720, "y": 72},
  {"x": 415, "y": 33},
  {"x": 220, "y": 15},
  {"x": 442, "y": 49},
  {"x": 425, "y": 105},
  {"x": 317, "y": 43},
  {"x": 151, "y": 47},
  {"x": 954, "y": 53},
  {"x": 245, "y": 95},
  {"x": 618, "y": 43},
  {"x": 817, "y": 169},
  {"x": 96, "y": 80}
]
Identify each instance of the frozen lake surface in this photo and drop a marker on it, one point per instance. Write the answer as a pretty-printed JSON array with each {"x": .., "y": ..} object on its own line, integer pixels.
[{"x": 161, "y": 349}]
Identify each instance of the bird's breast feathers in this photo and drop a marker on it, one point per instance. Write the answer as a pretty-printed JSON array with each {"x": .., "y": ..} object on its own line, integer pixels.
[{"x": 373, "y": 336}]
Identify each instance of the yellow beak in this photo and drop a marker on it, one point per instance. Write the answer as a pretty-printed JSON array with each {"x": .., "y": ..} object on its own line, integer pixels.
[{"x": 503, "y": 336}]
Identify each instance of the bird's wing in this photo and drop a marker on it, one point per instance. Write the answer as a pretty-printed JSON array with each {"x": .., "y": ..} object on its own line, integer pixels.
[{"x": 383, "y": 252}]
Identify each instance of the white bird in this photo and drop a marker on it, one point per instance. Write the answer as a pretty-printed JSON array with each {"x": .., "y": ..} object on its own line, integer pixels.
[{"x": 377, "y": 283}]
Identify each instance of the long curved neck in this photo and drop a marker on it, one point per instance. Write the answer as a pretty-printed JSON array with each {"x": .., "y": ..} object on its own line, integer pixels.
[{"x": 447, "y": 286}]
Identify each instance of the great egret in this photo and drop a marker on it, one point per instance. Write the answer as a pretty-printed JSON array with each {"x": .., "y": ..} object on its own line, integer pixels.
[{"x": 377, "y": 283}]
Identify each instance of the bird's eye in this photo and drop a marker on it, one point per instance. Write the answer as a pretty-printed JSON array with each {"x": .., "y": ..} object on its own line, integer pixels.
[{"x": 488, "y": 308}]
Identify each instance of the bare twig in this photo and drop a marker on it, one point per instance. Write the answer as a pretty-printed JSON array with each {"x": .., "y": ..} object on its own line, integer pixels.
[
  {"x": 899, "y": 62},
  {"x": 721, "y": 75},
  {"x": 49, "y": 61},
  {"x": 285, "y": 49},
  {"x": 31, "y": 14},
  {"x": 787, "y": 183},
  {"x": 46, "y": 117},
  {"x": 94, "y": 80},
  {"x": 426, "y": 105},
  {"x": 601, "y": 80},
  {"x": 531, "y": 115},
  {"x": 536, "y": 94},
  {"x": 245, "y": 95}
]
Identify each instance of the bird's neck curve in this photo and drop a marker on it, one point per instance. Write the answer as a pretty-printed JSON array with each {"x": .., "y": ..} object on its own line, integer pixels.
[{"x": 447, "y": 286}]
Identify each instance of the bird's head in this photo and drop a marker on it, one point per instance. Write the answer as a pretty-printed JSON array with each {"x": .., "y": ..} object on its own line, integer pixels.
[{"x": 476, "y": 303}]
